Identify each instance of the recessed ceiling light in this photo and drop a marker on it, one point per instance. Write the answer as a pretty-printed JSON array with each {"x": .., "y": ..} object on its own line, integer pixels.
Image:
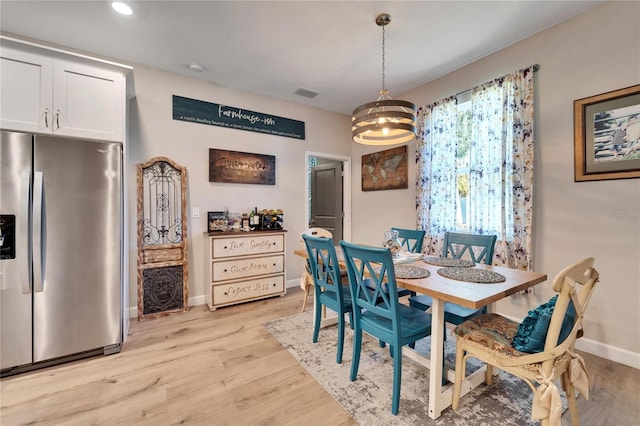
[{"x": 121, "y": 8}]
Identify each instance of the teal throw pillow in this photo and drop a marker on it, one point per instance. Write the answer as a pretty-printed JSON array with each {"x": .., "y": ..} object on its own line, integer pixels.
[{"x": 532, "y": 332}]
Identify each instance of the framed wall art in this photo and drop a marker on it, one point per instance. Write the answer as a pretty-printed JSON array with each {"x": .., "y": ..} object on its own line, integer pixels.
[
  {"x": 217, "y": 221},
  {"x": 385, "y": 170},
  {"x": 607, "y": 135},
  {"x": 241, "y": 167}
]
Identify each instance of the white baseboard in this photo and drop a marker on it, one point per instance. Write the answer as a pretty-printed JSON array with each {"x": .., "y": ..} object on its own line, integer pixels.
[
  {"x": 612, "y": 353},
  {"x": 292, "y": 283}
]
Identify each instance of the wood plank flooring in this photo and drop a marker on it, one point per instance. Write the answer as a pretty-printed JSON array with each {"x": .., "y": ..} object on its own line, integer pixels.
[{"x": 225, "y": 368}]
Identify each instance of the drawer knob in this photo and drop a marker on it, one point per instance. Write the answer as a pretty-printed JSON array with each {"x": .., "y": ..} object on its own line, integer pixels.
[
  {"x": 225, "y": 270},
  {"x": 225, "y": 247}
]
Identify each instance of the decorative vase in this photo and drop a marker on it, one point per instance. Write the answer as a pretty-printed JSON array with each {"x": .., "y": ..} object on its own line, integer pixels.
[{"x": 392, "y": 242}]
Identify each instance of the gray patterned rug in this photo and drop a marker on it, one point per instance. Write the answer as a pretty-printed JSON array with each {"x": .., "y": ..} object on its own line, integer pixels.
[{"x": 368, "y": 399}]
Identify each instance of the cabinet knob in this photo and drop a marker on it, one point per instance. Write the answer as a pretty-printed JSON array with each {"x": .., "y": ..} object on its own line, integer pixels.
[
  {"x": 225, "y": 270},
  {"x": 225, "y": 247}
]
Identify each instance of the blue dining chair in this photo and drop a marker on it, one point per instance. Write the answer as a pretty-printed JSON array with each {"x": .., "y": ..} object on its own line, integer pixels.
[
  {"x": 328, "y": 288},
  {"x": 480, "y": 250},
  {"x": 410, "y": 239},
  {"x": 378, "y": 312}
]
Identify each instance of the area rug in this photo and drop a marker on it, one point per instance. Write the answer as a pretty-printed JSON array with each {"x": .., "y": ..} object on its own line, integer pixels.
[{"x": 368, "y": 399}]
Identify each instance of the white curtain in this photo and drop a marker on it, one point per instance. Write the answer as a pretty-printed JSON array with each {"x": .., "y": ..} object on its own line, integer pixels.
[
  {"x": 501, "y": 168},
  {"x": 436, "y": 174}
]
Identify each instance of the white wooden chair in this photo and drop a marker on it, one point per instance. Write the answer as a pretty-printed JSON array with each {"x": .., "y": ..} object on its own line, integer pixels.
[
  {"x": 489, "y": 338},
  {"x": 306, "y": 282}
]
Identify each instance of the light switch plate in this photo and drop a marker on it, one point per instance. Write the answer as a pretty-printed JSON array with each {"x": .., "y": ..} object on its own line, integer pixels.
[{"x": 195, "y": 212}]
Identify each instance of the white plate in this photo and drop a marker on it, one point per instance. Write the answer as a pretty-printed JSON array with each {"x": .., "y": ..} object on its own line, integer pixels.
[
  {"x": 409, "y": 255},
  {"x": 402, "y": 259}
]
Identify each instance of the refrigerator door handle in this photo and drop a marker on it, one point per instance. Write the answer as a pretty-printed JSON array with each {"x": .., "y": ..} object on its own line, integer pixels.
[
  {"x": 38, "y": 198},
  {"x": 24, "y": 255}
]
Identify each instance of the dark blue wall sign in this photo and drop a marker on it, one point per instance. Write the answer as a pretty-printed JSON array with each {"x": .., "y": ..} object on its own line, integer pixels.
[{"x": 196, "y": 111}]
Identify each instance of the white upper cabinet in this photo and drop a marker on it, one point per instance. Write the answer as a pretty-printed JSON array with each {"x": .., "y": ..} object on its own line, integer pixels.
[
  {"x": 48, "y": 92},
  {"x": 87, "y": 102},
  {"x": 26, "y": 95}
]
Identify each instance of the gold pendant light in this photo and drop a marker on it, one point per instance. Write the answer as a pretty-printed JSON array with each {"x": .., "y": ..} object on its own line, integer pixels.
[{"x": 385, "y": 121}]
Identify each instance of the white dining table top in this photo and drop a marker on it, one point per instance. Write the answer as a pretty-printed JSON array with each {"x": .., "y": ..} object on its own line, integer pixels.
[{"x": 468, "y": 294}]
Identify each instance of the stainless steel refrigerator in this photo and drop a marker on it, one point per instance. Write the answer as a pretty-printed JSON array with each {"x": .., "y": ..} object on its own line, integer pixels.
[{"x": 61, "y": 242}]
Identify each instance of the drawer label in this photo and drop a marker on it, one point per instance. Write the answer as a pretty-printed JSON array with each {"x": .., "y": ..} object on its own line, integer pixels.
[
  {"x": 247, "y": 245},
  {"x": 242, "y": 289}
]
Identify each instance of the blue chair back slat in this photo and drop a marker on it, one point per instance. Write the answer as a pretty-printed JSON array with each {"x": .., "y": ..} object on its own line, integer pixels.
[
  {"x": 479, "y": 247},
  {"x": 411, "y": 239}
]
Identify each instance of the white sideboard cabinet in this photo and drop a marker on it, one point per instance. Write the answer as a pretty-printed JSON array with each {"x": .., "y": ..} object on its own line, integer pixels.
[
  {"x": 241, "y": 267},
  {"x": 48, "y": 91}
]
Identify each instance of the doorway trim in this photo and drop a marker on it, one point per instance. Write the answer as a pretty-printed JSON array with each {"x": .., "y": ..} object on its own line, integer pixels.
[{"x": 346, "y": 189}]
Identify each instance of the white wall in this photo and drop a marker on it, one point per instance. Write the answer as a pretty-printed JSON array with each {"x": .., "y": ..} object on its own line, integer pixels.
[
  {"x": 593, "y": 53},
  {"x": 153, "y": 133}
]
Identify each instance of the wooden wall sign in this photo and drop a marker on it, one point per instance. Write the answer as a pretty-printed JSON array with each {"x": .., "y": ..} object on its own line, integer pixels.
[
  {"x": 195, "y": 111},
  {"x": 385, "y": 170},
  {"x": 241, "y": 167}
]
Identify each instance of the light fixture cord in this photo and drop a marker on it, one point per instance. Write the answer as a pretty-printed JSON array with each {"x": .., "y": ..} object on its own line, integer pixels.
[{"x": 384, "y": 88}]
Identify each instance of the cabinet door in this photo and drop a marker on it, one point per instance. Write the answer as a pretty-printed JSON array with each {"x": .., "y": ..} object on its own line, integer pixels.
[
  {"x": 88, "y": 102},
  {"x": 25, "y": 91}
]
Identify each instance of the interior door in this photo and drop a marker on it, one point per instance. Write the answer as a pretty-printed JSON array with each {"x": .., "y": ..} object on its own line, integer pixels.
[{"x": 326, "y": 198}]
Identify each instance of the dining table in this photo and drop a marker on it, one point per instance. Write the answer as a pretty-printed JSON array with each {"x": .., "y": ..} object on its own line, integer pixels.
[{"x": 443, "y": 289}]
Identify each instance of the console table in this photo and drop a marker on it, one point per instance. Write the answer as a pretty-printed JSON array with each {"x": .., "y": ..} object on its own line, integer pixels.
[{"x": 243, "y": 266}]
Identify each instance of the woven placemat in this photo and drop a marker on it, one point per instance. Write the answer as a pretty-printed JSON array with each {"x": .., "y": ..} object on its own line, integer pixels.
[
  {"x": 447, "y": 261},
  {"x": 410, "y": 272},
  {"x": 472, "y": 275}
]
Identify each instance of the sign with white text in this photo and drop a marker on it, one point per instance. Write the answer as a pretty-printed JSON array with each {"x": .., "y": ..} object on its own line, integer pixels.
[{"x": 195, "y": 111}]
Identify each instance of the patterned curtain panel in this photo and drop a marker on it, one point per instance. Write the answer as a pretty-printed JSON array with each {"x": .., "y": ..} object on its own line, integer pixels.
[
  {"x": 500, "y": 168},
  {"x": 436, "y": 175},
  {"x": 313, "y": 161}
]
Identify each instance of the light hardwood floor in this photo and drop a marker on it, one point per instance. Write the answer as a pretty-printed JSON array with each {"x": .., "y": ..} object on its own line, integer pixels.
[{"x": 224, "y": 368}]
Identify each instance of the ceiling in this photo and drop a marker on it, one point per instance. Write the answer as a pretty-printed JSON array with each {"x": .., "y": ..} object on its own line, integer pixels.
[{"x": 274, "y": 48}]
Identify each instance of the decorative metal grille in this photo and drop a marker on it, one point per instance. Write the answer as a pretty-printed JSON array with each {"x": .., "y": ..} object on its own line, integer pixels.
[
  {"x": 162, "y": 211},
  {"x": 162, "y": 289}
]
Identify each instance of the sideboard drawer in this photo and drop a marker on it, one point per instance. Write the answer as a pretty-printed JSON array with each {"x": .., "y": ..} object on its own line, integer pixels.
[
  {"x": 246, "y": 267},
  {"x": 247, "y": 290},
  {"x": 247, "y": 245}
]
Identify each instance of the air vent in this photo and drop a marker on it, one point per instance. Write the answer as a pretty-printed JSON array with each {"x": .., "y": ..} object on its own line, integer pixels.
[{"x": 306, "y": 93}]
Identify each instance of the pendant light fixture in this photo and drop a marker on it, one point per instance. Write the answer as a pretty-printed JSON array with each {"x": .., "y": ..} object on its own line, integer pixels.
[{"x": 385, "y": 121}]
